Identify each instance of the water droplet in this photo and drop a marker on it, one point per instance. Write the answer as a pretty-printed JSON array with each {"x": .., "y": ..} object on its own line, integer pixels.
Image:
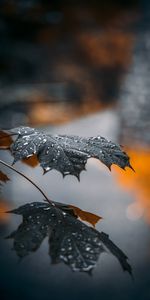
[
  {"x": 87, "y": 248},
  {"x": 47, "y": 169},
  {"x": 64, "y": 258},
  {"x": 62, "y": 249},
  {"x": 66, "y": 172},
  {"x": 91, "y": 257}
]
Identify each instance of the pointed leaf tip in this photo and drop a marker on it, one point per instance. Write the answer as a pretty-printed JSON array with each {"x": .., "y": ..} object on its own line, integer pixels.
[{"x": 131, "y": 168}]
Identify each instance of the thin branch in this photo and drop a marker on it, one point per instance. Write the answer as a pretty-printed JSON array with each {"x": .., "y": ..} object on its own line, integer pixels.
[{"x": 33, "y": 183}]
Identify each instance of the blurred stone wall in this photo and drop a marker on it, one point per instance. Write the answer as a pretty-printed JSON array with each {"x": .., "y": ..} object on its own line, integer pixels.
[
  {"x": 62, "y": 56},
  {"x": 134, "y": 108}
]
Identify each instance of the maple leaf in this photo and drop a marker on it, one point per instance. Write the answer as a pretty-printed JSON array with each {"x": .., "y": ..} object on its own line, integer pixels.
[
  {"x": 66, "y": 154},
  {"x": 79, "y": 213},
  {"x": 70, "y": 241}
]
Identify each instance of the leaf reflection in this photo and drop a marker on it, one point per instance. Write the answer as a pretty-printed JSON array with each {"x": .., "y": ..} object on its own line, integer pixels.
[{"x": 70, "y": 240}]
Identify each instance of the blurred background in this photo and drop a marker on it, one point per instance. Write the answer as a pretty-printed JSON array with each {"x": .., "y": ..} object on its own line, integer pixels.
[
  {"x": 65, "y": 59},
  {"x": 80, "y": 67}
]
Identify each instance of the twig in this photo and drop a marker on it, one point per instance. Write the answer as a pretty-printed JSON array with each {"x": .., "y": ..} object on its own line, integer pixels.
[{"x": 33, "y": 183}]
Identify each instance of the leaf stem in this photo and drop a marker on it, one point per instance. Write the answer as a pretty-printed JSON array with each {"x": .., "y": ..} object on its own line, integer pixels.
[{"x": 33, "y": 183}]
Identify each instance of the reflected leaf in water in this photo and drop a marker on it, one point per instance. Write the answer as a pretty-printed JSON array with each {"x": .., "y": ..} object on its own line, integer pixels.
[
  {"x": 66, "y": 154},
  {"x": 70, "y": 241}
]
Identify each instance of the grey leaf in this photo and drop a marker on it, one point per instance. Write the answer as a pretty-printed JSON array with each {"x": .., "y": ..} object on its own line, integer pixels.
[
  {"x": 70, "y": 241},
  {"x": 67, "y": 154}
]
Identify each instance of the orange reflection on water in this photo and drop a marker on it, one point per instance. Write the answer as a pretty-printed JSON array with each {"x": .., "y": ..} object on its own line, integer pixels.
[{"x": 138, "y": 183}]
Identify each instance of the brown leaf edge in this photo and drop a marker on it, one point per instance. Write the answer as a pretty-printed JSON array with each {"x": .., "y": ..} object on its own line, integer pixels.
[
  {"x": 5, "y": 143},
  {"x": 31, "y": 161},
  {"x": 85, "y": 216}
]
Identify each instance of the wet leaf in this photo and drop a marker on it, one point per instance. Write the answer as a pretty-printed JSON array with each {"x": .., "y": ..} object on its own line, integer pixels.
[
  {"x": 118, "y": 253},
  {"x": 67, "y": 154},
  {"x": 70, "y": 241},
  {"x": 79, "y": 213}
]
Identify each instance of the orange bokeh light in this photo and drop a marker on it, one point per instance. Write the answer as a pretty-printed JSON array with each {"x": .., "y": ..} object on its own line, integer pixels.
[{"x": 138, "y": 183}]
